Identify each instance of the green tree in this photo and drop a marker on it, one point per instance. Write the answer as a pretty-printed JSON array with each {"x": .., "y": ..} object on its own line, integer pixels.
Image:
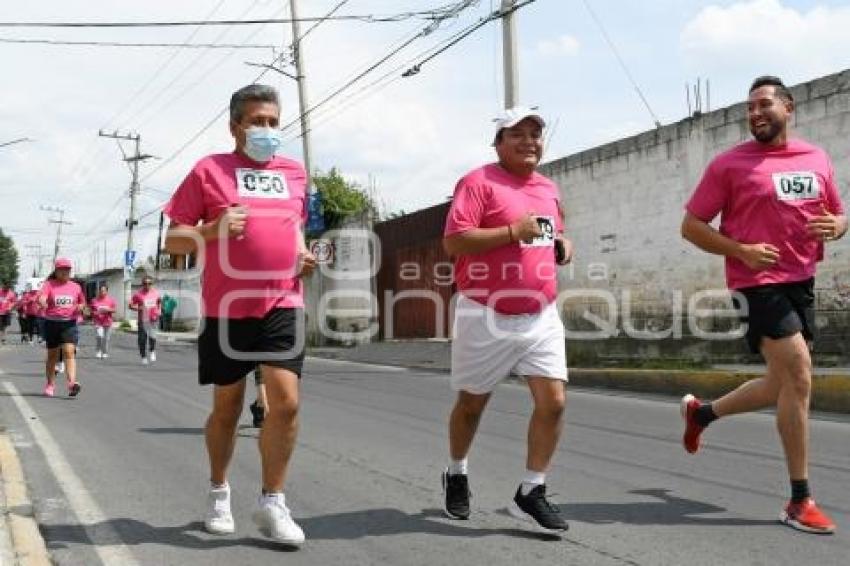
[
  {"x": 340, "y": 198},
  {"x": 8, "y": 260}
]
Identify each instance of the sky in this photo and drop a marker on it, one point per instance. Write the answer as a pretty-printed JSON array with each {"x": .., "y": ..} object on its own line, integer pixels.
[{"x": 409, "y": 138}]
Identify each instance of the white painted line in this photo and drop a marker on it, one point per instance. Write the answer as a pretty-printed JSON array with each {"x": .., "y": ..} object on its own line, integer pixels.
[{"x": 104, "y": 538}]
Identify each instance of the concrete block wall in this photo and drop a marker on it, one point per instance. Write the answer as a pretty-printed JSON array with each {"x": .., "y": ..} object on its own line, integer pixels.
[{"x": 625, "y": 201}]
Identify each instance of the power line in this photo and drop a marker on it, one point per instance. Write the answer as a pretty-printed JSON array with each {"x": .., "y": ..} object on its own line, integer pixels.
[
  {"x": 99, "y": 153},
  {"x": 369, "y": 18},
  {"x": 215, "y": 118},
  {"x": 143, "y": 113},
  {"x": 175, "y": 53},
  {"x": 464, "y": 34},
  {"x": 621, "y": 61},
  {"x": 126, "y": 44},
  {"x": 427, "y": 30}
]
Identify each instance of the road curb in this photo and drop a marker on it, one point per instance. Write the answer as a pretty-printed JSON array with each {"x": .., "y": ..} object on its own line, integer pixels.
[
  {"x": 27, "y": 544},
  {"x": 830, "y": 393}
]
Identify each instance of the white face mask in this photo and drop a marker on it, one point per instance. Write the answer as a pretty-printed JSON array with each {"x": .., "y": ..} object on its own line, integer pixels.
[{"x": 261, "y": 143}]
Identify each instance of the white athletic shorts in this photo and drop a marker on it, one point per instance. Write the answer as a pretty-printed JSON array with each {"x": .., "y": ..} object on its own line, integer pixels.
[{"x": 488, "y": 346}]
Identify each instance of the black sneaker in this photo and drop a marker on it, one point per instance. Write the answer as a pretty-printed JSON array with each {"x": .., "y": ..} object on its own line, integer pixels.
[
  {"x": 456, "y": 488},
  {"x": 74, "y": 389},
  {"x": 258, "y": 413},
  {"x": 536, "y": 508}
]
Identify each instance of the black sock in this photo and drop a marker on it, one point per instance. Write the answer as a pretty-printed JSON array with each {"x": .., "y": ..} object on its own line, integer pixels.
[
  {"x": 800, "y": 490},
  {"x": 704, "y": 415}
]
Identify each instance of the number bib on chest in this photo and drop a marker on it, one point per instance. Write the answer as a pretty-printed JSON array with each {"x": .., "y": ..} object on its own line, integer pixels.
[
  {"x": 796, "y": 185},
  {"x": 255, "y": 183},
  {"x": 547, "y": 240},
  {"x": 63, "y": 300}
]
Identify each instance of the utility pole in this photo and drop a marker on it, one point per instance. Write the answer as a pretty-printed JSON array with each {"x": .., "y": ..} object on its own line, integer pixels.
[
  {"x": 509, "y": 53},
  {"x": 301, "y": 79},
  {"x": 313, "y": 327},
  {"x": 133, "y": 161},
  {"x": 59, "y": 223},
  {"x": 38, "y": 255}
]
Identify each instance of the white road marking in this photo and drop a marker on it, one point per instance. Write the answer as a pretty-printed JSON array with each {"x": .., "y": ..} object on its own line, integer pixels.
[{"x": 105, "y": 539}]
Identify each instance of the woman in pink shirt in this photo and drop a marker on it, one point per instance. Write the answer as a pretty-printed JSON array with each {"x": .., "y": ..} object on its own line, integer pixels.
[
  {"x": 62, "y": 300},
  {"x": 102, "y": 309},
  {"x": 147, "y": 303}
]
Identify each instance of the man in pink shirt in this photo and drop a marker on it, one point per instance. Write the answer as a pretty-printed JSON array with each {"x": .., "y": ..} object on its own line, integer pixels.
[
  {"x": 7, "y": 304},
  {"x": 243, "y": 213},
  {"x": 147, "y": 303},
  {"x": 504, "y": 230},
  {"x": 778, "y": 204}
]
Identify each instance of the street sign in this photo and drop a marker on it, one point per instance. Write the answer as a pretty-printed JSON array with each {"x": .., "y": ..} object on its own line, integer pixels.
[
  {"x": 323, "y": 250},
  {"x": 129, "y": 257},
  {"x": 315, "y": 218}
]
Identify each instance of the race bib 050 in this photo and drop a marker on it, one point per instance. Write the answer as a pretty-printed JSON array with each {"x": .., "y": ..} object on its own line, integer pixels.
[
  {"x": 255, "y": 183},
  {"x": 796, "y": 185}
]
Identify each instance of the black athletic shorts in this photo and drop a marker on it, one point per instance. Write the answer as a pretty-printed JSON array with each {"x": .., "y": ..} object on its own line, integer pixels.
[
  {"x": 5, "y": 321},
  {"x": 275, "y": 340},
  {"x": 58, "y": 332},
  {"x": 779, "y": 310}
]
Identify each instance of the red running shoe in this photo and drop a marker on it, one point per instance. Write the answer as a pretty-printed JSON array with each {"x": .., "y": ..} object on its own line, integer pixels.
[
  {"x": 693, "y": 430},
  {"x": 805, "y": 516}
]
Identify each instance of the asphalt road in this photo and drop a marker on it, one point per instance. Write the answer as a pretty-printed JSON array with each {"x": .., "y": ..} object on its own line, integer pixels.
[{"x": 119, "y": 474}]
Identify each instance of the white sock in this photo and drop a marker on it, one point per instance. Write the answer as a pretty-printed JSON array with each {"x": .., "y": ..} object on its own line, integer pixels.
[
  {"x": 458, "y": 467},
  {"x": 224, "y": 485},
  {"x": 531, "y": 480},
  {"x": 268, "y": 497}
]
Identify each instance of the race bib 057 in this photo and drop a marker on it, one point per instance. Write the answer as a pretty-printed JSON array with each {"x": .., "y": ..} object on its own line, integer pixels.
[
  {"x": 255, "y": 183},
  {"x": 796, "y": 185}
]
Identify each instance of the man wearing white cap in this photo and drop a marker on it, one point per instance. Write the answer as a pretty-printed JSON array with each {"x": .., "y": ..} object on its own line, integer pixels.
[{"x": 504, "y": 230}]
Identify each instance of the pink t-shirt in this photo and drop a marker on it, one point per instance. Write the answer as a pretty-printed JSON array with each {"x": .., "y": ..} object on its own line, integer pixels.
[
  {"x": 148, "y": 303},
  {"x": 63, "y": 299},
  {"x": 7, "y": 301},
  {"x": 514, "y": 278},
  {"x": 102, "y": 309},
  {"x": 767, "y": 194},
  {"x": 30, "y": 299},
  {"x": 247, "y": 277}
]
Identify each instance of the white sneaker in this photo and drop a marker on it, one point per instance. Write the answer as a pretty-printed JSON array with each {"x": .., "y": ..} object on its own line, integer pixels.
[
  {"x": 145, "y": 361},
  {"x": 275, "y": 521},
  {"x": 98, "y": 354},
  {"x": 219, "y": 520},
  {"x": 105, "y": 355},
  {"x": 153, "y": 356},
  {"x": 60, "y": 367}
]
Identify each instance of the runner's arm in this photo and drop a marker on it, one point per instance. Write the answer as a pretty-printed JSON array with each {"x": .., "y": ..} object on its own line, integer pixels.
[
  {"x": 757, "y": 257},
  {"x": 480, "y": 240}
]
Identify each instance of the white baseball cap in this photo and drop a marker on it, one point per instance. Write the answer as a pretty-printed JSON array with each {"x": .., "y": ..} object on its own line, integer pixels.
[{"x": 513, "y": 116}]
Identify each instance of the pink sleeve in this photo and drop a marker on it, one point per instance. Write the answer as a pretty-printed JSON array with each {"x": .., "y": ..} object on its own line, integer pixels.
[
  {"x": 187, "y": 203},
  {"x": 135, "y": 300},
  {"x": 710, "y": 196},
  {"x": 467, "y": 210},
  {"x": 833, "y": 198}
]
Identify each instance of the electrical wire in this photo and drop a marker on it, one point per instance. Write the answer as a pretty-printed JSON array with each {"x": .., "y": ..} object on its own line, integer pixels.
[
  {"x": 126, "y": 44},
  {"x": 368, "y": 18},
  {"x": 622, "y": 62}
]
